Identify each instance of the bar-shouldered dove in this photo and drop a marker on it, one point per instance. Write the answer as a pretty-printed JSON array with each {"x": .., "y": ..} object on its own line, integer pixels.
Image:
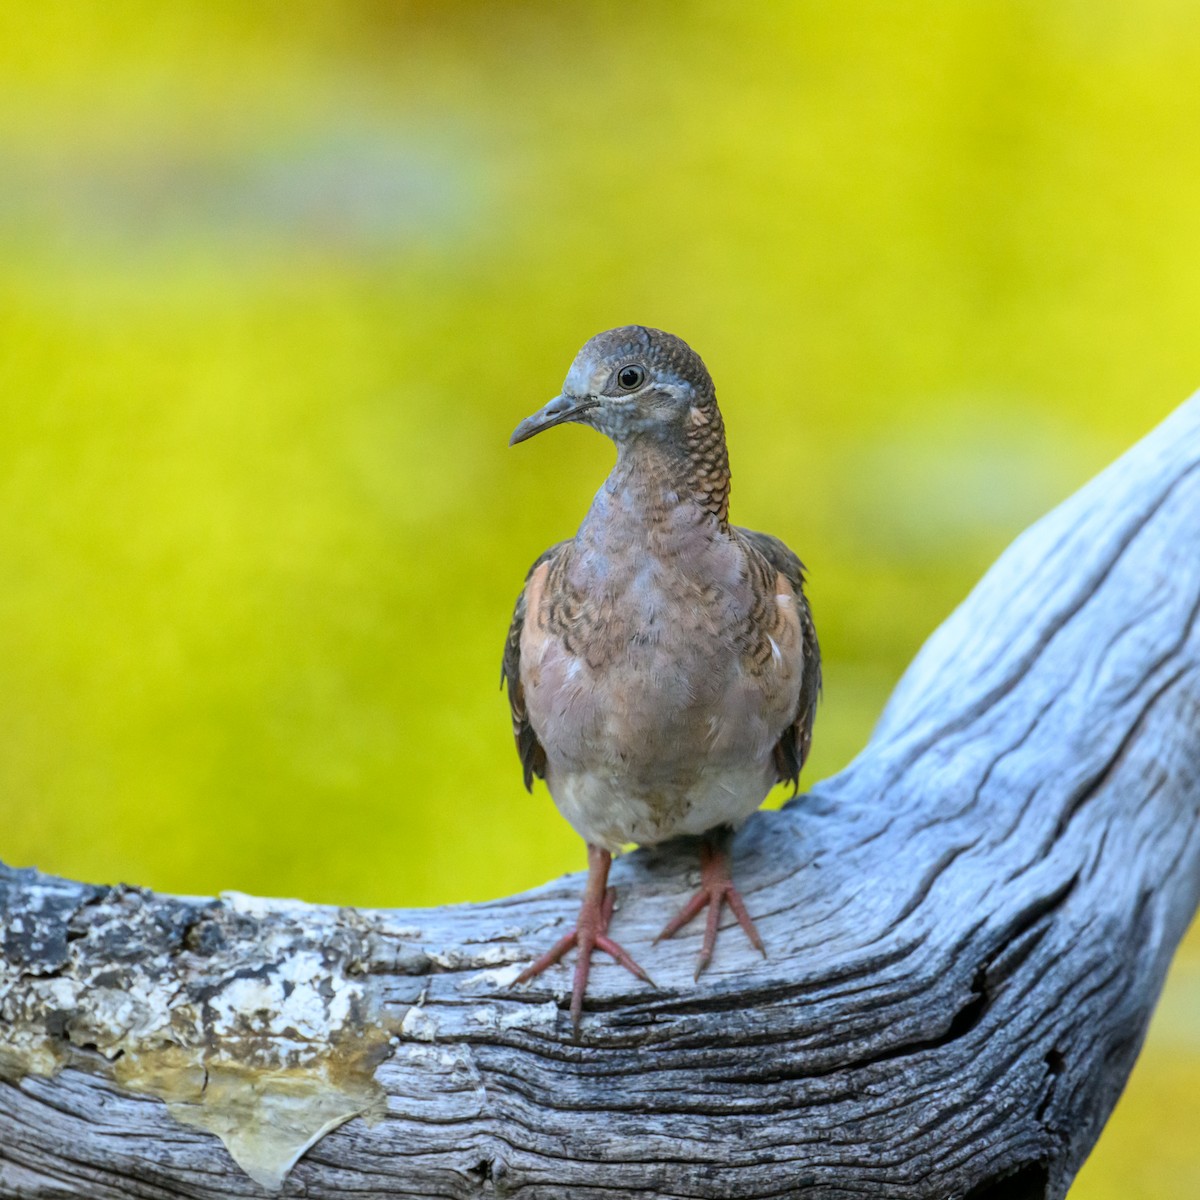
[{"x": 662, "y": 665}]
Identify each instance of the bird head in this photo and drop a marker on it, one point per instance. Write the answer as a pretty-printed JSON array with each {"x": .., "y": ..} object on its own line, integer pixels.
[{"x": 629, "y": 383}]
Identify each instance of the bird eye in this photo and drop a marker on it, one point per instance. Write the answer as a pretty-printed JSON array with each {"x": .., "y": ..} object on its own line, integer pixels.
[{"x": 630, "y": 378}]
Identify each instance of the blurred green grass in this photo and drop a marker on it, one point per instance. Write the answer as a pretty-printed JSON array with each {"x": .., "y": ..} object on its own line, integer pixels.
[{"x": 277, "y": 281}]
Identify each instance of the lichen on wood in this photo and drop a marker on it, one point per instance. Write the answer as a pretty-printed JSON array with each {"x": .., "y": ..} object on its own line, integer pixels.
[{"x": 264, "y": 1033}]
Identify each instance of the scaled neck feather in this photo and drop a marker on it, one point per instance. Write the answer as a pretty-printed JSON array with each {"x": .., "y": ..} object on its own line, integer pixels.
[{"x": 656, "y": 474}]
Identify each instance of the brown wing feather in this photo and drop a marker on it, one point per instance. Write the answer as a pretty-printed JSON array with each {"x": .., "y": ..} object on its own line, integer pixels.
[
  {"x": 794, "y": 743},
  {"x": 529, "y": 749}
]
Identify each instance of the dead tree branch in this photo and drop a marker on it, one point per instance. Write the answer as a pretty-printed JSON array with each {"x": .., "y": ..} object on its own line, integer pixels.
[{"x": 969, "y": 928}]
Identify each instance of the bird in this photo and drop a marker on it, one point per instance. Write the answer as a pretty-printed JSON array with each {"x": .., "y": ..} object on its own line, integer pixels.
[{"x": 662, "y": 666}]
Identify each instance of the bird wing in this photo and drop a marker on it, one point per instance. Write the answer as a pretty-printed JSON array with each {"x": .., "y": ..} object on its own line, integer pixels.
[
  {"x": 530, "y": 750},
  {"x": 794, "y": 743}
]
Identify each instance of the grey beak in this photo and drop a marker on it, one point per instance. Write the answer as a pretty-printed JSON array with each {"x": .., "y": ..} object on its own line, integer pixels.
[{"x": 561, "y": 408}]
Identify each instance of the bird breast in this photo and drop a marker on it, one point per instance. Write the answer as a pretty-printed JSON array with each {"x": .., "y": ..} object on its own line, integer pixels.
[{"x": 658, "y": 681}]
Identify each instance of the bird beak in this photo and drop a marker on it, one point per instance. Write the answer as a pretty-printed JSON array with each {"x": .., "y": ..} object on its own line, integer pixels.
[{"x": 561, "y": 408}]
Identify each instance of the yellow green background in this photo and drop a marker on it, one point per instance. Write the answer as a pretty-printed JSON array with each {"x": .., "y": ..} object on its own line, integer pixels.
[{"x": 277, "y": 280}]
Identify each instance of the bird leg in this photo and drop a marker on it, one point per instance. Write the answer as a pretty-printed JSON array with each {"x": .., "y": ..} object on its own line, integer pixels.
[
  {"x": 590, "y": 933},
  {"x": 716, "y": 890}
]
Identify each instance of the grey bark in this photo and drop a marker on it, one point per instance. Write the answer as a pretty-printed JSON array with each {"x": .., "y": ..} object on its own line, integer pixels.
[{"x": 969, "y": 928}]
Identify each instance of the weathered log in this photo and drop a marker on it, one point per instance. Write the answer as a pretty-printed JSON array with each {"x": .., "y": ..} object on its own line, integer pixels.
[{"x": 969, "y": 927}]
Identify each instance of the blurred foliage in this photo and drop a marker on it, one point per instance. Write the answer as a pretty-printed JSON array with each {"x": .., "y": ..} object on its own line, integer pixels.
[{"x": 276, "y": 281}]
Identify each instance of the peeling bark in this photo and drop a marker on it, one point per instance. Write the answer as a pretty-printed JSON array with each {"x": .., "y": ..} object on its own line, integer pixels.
[{"x": 969, "y": 928}]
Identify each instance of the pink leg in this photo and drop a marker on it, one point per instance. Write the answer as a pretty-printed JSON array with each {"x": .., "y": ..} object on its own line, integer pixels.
[
  {"x": 590, "y": 933},
  {"x": 716, "y": 889}
]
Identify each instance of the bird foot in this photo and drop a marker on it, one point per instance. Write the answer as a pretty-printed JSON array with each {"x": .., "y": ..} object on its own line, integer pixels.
[
  {"x": 590, "y": 934},
  {"x": 716, "y": 890}
]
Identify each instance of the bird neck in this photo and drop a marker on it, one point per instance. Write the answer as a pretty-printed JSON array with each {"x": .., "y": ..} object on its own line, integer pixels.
[{"x": 656, "y": 474}]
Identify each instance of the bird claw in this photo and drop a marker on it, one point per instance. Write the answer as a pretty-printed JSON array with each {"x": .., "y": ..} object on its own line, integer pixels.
[
  {"x": 590, "y": 934},
  {"x": 715, "y": 891}
]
